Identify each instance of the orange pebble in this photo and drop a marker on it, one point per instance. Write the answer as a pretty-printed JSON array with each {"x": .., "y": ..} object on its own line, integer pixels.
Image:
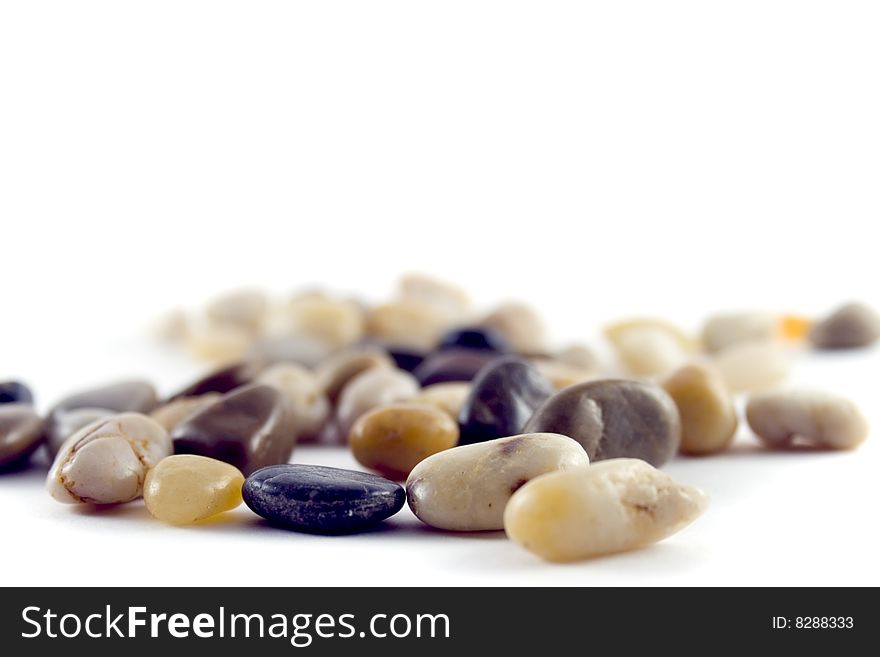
[{"x": 794, "y": 327}]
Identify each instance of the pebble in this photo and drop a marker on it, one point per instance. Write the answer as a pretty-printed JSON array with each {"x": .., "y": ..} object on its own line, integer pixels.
[
  {"x": 561, "y": 374},
  {"x": 217, "y": 343},
  {"x": 242, "y": 309},
  {"x": 789, "y": 418},
  {"x": 408, "y": 324},
  {"x": 466, "y": 488},
  {"x": 521, "y": 327},
  {"x": 334, "y": 322},
  {"x": 478, "y": 338},
  {"x": 21, "y": 432},
  {"x": 708, "y": 416},
  {"x": 334, "y": 373},
  {"x": 172, "y": 413},
  {"x": 222, "y": 380},
  {"x": 290, "y": 349},
  {"x": 378, "y": 386},
  {"x": 185, "y": 488},
  {"x": 125, "y": 396},
  {"x": 405, "y": 358},
  {"x": 853, "y": 325},
  {"x": 249, "y": 428},
  {"x": 309, "y": 406},
  {"x": 649, "y": 347},
  {"x": 748, "y": 366},
  {"x": 502, "y": 399},
  {"x": 448, "y": 397},
  {"x": 393, "y": 439},
  {"x": 15, "y": 392},
  {"x": 107, "y": 461},
  {"x": 452, "y": 365},
  {"x": 589, "y": 511},
  {"x": 726, "y": 329},
  {"x": 320, "y": 499},
  {"x": 445, "y": 297},
  {"x": 580, "y": 356},
  {"x": 613, "y": 418}
]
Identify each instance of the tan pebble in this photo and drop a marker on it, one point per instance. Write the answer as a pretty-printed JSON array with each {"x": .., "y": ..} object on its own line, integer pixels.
[
  {"x": 561, "y": 374},
  {"x": 708, "y": 416},
  {"x": 579, "y": 356},
  {"x": 393, "y": 439},
  {"x": 334, "y": 322},
  {"x": 649, "y": 347},
  {"x": 520, "y": 325},
  {"x": 787, "y": 418},
  {"x": 185, "y": 488},
  {"x": 217, "y": 343},
  {"x": 171, "y": 414},
  {"x": 448, "y": 396},
  {"x": 336, "y": 371},
  {"x": 408, "y": 324},
  {"x": 466, "y": 488},
  {"x": 748, "y": 366},
  {"x": 607, "y": 507},
  {"x": 306, "y": 399},
  {"x": 448, "y": 299},
  {"x": 107, "y": 461},
  {"x": 726, "y": 329},
  {"x": 173, "y": 326},
  {"x": 378, "y": 386},
  {"x": 242, "y": 309},
  {"x": 853, "y": 325}
]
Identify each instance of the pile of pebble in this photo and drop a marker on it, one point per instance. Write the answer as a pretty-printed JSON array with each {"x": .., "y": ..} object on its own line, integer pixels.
[{"x": 487, "y": 426}]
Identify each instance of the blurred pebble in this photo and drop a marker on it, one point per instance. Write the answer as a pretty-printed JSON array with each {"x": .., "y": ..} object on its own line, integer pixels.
[
  {"x": 21, "y": 432},
  {"x": 562, "y": 374},
  {"x": 649, "y": 347},
  {"x": 521, "y": 327},
  {"x": 708, "y": 417},
  {"x": 726, "y": 329},
  {"x": 449, "y": 300},
  {"x": 15, "y": 392},
  {"x": 851, "y": 326},
  {"x": 408, "y": 324},
  {"x": 478, "y": 338},
  {"x": 306, "y": 400},
  {"x": 448, "y": 397},
  {"x": 378, "y": 386},
  {"x": 300, "y": 349},
  {"x": 222, "y": 380},
  {"x": 747, "y": 366},
  {"x": 242, "y": 309},
  {"x": 334, "y": 373},
  {"x": 452, "y": 365},
  {"x": 172, "y": 413}
]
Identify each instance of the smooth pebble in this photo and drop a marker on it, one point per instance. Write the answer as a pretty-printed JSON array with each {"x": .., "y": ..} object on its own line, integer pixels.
[
  {"x": 21, "y": 432},
  {"x": 15, "y": 392},
  {"x": 334, "y": 373},
  {"x": 521, "y": 327},
  {"x": 851, "y": 326},
  {"x": 649, "y": 347},
  {"x": 723, "y": 330},
  {"x": 308, "y": 405},
  {"x": 749, "y": 366},
  {"x": 185, "y": 488},
  {"x": 708, "y": 416},
  {"x": 378, "y": 386},
  {"x": 448, "y": 397},
  {"x": 452, "y": 365}
]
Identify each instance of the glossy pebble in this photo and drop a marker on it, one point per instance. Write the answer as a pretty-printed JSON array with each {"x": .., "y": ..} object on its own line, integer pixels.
[
  {"x": 477, "y": 338},
  {"x": 708, "y": 416},
  {"x": 15, "y": 392},
  {"x": 452, "y": 365},
  {"x": 21, "y": 432},
  {"x": 185, "y": 488}
]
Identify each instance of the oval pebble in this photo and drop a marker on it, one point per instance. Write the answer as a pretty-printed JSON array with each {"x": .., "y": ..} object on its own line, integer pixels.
[
  {"x": 393, "y": 439},
  {"x": 321, "y": 499},
  {"x": 503, "y": 397},
  {"x": 748, "y": 366},
  {"x": 21, "y": 432},
  {"x": 376, "y": 387},
  {"x": 184, "y": 488},
  {"x": 448, "y": 299},
  {"x": 452, "y": 365},
  {"x": 522, "y": 327},
  {"x": 107, "y": 461},
  {"x": 15, "y": 392},
  {"x": 708, "y": 416},
  {"x": 477, "y": 338},
  {"x": 334, "y": 373},
  {"x": 249, "y": 428},
  {"x": 613, "y": 418},
  {"x": 851, "y": 326},
  {"x": 726, "y": 329},
  {"x": 408, "y": 324},
  {"x": 243, "y": 309},
  {"x": 466, "y": 488},
  {"x": 448, "y": 397},
  {"x": 647, "y": 346},
  {"x": 599, "y": 509},
  {"x": 788, "y": 418}
]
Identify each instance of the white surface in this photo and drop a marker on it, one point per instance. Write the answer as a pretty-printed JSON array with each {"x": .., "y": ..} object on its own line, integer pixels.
[{"x": 598, "y": 159}]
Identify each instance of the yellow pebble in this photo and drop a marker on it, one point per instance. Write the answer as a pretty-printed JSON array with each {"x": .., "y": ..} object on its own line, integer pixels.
[
  {"x": 185, "y": 488},
  {"x": 794, "y": 327},
  {"x": 394, "y": 439}
]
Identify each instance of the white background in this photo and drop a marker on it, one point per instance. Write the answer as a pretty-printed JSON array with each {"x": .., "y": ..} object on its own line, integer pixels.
[{"x": 597, "y": 159}]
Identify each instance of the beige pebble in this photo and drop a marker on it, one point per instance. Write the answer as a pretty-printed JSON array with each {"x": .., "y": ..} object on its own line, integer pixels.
[
  {"x": 336, "y": 371},
  {"x": 378, "y": 386},
  {"x": 448, "y": 396},
  {"x": 172, "y": 413},
  {"x": 242, "y": 309},
  {"x": 466, "y": 488},
  {"x": 853, "y": 325},
  {"x": 561, "y": 374},
  {"x": 580, "y": 356},
  {"x": 708, "y": 416},
  {"x": 393, "y": 439},
  {"x": 726, "y": 329},
  {"x": 648, "y": 346},
  {"x": 521, "y": 326},
  {"x": 607, "y": 507},
  {"x": 307, "y": 402},
  {"x": 185, "y": 488},
  {"x": 408, "y": 323},
  {"x": 173, "y": 326},
  {"x": 748, "y": 366},
  {"x": 107, "y": 461},
  {"x": 449, "y": 300},
  {"x": 786, "y": 418},
  {"x": 217, "y": 343},
  {"x": 334, "y": 322}
]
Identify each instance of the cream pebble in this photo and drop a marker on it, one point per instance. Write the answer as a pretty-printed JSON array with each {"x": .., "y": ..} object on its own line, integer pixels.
[
  {"x": 726, "y": 329},
  {"x": 243, "y": 309},
  {"x": 217, "y": 343},
  {"x": 466, "y": 488},
  {"x": 174, "y": 412},
  {"x": 107, "y": 461},
  {"x": 448, "y": 396},
  {"x": 787, "y": 418},
  {"x": 521, "y": 326},
  {"x": 708, "y": 417},
  {"x": 378, "y": 386},
  {"x": 750, "y": 366},
  {"x": 334, "y": 322},
  {"x": 448, "y": 299},
  {"x": 306, "y": 400},
  {"x": 607, "y": 507},
  {"x": 336, "y": 371},
  {"x": 408, "y": 323},
  {"x": 185, "y": 488},
  {"x": 648, "y": 347}
]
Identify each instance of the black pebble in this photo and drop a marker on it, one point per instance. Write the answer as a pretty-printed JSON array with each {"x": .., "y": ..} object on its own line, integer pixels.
[
  {"x": 15, "y": 392},
  {"x": 320, "y": 499},
  {"x": 452, "y": 365},
  {"x": 477, "y": 338}
]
